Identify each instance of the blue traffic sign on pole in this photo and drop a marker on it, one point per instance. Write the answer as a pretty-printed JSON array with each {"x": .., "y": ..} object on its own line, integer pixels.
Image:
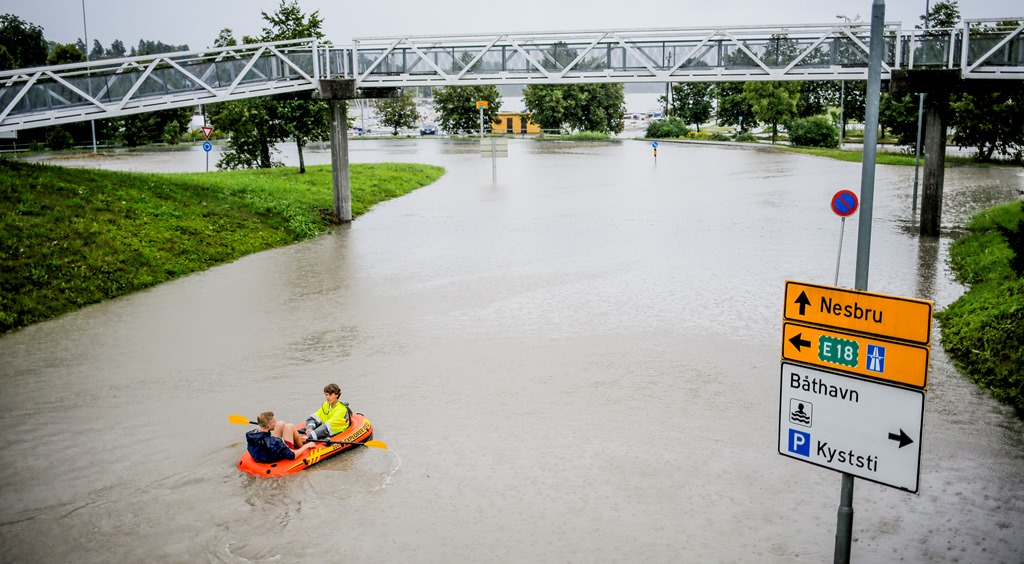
[
  {"x": 844, "y": 203},
  {"x": 207, "y": 146},
  {"x": 654, "y": 144}
]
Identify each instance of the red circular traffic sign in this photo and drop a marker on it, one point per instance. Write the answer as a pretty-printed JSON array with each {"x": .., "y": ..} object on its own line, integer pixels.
[{"x": 844, "y": 203}]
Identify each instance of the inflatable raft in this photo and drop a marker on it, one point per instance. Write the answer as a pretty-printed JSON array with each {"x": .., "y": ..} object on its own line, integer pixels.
[{"x": 359, "y": 431}]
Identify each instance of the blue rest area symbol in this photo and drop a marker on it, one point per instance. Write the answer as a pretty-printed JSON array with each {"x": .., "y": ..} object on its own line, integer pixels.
[
  {"x": 207, "y": 146},
  {"x": 800, "y": 442}
]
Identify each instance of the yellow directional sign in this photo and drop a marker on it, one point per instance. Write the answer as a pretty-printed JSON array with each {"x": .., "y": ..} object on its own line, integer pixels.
[
  {"x": 859, "y": 354},
  {"x": 878, "y": 315},
  {"x": 481, "y": 104}
]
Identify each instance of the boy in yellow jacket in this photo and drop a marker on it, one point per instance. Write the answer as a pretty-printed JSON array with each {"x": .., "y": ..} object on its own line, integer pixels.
[{"x": 332, "y": 418}]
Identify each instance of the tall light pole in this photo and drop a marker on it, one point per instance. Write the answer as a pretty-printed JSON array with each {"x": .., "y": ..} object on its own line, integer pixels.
[
  {"x": 842, "y": 92},
  {"x": 920, "y": 120},
  {"x": 85, "y": 28}
]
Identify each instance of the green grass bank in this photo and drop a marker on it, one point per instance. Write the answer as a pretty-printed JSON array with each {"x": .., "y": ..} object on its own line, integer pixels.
[
  {"x": 74, "y": 237},
  {"x": 983, "y": 330}
]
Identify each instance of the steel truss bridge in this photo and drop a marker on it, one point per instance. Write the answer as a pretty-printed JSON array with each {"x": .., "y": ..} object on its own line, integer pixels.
[{"x": 42, "y": 96}]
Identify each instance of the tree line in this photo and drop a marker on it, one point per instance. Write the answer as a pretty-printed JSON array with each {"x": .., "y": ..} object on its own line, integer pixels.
[{"x": 22, "y": 44}]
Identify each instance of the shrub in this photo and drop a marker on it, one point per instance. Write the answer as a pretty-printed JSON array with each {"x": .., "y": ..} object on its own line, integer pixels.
[
  {"x": 667, "y": 128},
  {"x": 58, "y": 139},
  {"x": 719, "y": 136},
  {"x": 746, "y": 137},
  {"x": 815, "y": 131}
]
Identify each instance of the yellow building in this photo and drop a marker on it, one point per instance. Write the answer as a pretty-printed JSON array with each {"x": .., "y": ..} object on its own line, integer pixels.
[{"x": 514, "y": 123}]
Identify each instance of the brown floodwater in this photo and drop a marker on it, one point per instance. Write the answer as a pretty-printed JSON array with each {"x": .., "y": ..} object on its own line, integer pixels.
[{"x": 578, "y": 362}]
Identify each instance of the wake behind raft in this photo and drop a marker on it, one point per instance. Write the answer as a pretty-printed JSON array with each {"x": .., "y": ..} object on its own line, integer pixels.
[{"x": 358, "y": 433}]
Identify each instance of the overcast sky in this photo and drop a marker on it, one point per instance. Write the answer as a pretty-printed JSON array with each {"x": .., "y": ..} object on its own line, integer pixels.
[{"x": 197, "y": 22}]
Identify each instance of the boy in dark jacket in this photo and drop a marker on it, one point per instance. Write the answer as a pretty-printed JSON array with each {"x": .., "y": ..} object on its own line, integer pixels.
[{"x": 267, "y": 444}]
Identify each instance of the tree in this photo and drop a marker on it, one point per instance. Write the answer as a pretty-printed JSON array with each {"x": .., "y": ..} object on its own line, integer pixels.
[
  {"x": 253, "y": 128},
  {"x": 396, "y": 112},
  {"x": 301, "y": 119},
  {"x": 255, "y": 125},
  {"x": 943, "y": 15},
  {"x": 457, "y": 111},
  {"x": 305, "y": 120},
  {"x": 65, "y": 53},
  {"x": 579, "y": 107},
  {"x": 117, "y": 50},
  {"x": 24, "y": 41},
  {"x": 6, "y": 60},
  {"x": 693, "y": 102},
  {"x": 772, "y": 102},
  {"x": 576, "y": 107},
  {"x": 733, "y": 107},
  {"x": 991, "y": 122}
]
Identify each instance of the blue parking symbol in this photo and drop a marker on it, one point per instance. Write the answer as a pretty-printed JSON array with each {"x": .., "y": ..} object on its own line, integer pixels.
[
  {"x": 800, "y": 443},
  {"x": 876, "y": 358}
]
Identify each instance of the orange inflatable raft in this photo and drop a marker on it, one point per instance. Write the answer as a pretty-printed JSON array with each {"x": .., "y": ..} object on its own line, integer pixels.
[{"x": 358, "y": 432}]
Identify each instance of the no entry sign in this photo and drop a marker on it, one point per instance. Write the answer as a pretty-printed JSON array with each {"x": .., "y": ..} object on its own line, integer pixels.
[{"x": 844, "y": 203}]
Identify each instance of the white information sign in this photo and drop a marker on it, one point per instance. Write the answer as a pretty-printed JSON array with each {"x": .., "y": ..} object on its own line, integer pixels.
[{"x": 860, "y": 427}]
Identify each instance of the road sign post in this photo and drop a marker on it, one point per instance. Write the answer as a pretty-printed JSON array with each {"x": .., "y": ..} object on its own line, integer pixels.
[{"x": 844, "y": 203}]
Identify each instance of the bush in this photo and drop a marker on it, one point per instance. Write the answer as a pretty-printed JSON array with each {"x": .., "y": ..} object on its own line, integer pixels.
[
  {"x": 57, "y": 139},
  {"x": 667, "y": 128},
  {"x": 746, "y": 137},
  {"x": 814, "y": 131}
]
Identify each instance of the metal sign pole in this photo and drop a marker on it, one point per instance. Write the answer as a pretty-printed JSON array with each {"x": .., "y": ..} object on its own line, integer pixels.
[
  {"x": 494, "y": 159},
  {"x": 842, "y": 228},
  {"x": 844, "y": 520}
]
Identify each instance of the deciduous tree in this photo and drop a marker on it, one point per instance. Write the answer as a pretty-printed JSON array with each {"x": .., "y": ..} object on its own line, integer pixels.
[
  {"x": 772, "y": 102},
  {"x": 456, "y": 108},
  {"x": 396, "y": 112},
  {"x": 24, "y": 41}
]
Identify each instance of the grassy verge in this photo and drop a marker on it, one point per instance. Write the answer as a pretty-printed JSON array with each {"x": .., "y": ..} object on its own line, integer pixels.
[
  {"x": 983, "y": 331},
  {"x": 881, "y": 157},
  {"x": 73, "y": 237}
]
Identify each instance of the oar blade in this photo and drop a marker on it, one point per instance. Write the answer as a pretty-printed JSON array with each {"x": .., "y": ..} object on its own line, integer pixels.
[
  {"x": 239, "y": 419},
  {"x": 376, "y": 444}
]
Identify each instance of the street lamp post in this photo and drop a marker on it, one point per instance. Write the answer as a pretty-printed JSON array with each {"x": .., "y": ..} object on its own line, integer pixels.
[
  {"x": 85, "y": 28},
  {"x": 920, "y": 120}
]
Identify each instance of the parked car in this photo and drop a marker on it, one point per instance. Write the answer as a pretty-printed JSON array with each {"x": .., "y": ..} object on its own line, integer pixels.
[{"x": 428, "y": 129}]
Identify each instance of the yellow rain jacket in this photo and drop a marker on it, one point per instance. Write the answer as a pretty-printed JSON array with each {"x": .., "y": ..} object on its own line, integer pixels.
[{"x": 337, "y": 418}]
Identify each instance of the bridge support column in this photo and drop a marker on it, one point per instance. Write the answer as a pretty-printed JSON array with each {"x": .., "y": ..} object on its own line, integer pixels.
[
  {"x": 935, "y": 106},
  {"x": 337, "y": 92},
  {"x": 339, "y": 161},
  {"x": 937, "y": 85}
]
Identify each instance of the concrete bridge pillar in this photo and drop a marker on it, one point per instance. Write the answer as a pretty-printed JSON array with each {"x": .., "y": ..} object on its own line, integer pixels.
[
  {"x": 937, "y": 86},
  {"x": 337, "y": 92},
  {"x": 339, "y": 161},
  {"x": 935, "y": 109}
]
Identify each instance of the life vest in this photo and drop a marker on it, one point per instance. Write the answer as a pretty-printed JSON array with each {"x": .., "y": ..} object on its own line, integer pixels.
[{"x": 337, "y": 418}]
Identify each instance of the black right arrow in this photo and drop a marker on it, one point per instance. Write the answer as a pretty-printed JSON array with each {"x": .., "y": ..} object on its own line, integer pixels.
[
  {"x": 802, "y": 301},
  {"x": 798, "y": 341},
  {"x": 902, "y": 438}
]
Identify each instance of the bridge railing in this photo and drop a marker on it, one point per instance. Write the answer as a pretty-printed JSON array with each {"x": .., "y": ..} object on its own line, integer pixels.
[
  {"x": 718, "y": 54},
  {"x": 117, "y": 87},
  {"x": 993, "y": 48}
]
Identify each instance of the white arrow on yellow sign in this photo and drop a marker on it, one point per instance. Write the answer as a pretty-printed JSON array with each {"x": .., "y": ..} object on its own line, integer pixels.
[
  {"x": 848, "y": 352},
  {"x": 880, "y": 315}
]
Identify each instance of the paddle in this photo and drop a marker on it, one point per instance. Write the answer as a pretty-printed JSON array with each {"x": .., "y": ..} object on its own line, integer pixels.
[{"x": 242, "y": 420}]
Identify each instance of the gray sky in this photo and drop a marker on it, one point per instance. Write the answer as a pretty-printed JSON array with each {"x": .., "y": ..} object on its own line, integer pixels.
[{"x": 197, "y": 22}]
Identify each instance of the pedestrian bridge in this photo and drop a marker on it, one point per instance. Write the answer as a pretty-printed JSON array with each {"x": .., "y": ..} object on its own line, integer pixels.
[{"x": 42, "y": 96}]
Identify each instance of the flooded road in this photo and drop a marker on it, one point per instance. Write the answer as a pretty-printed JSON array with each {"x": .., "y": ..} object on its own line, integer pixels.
[{"x": 576, "y": 363}]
